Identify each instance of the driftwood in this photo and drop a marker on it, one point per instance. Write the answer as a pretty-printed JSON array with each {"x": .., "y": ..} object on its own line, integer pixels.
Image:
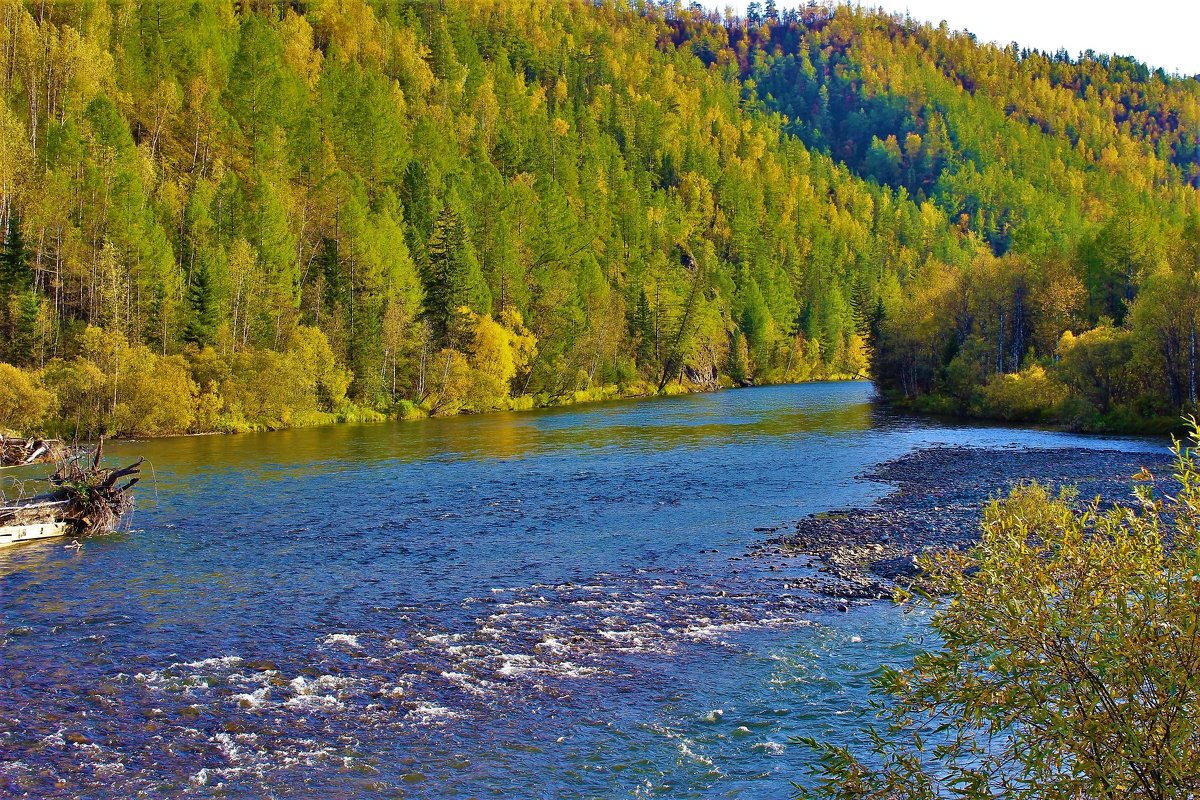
[
  {"x": 86, "y": 496},
  {"x": 16, "y": 452}
]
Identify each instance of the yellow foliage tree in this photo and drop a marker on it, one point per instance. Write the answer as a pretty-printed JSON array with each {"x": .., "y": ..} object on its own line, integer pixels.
[
  {"x": 158, "y": 396},
  {"x": 23, "y": 402},
  {"x": 450, "y": 384},
  {"x": 145, "y": 394},
  {"x": 498, "y": 351},
  {"x": 1028, "y": 395},
  {"x": 81, "y": 388},
  {"x": 309, "y": 350}
]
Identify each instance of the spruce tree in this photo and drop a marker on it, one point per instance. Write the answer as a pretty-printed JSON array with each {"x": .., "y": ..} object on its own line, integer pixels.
[
  {"x": 201, "y": 327},
  {"x": 418, "y": 208},
  {"x": 641, "y": 329},
  {"x": 14, "y": 268},
  {"x": 24, "y": 310},
  {"x": 444, "y": 274}
]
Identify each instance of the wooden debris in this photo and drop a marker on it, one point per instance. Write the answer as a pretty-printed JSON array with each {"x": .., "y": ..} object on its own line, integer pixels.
[
  {"x": 86, "y": 498},
  {"x": 16, "y": 452}
]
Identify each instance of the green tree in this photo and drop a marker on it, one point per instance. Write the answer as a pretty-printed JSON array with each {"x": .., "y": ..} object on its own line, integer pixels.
[
  {"x": 15, "y": 275},
  {"x": 642, "y": 329},
  {"x": 204, "y": 306},
  {"x": 444, "y": 274},
  {"x": 1068, "y": 663}
]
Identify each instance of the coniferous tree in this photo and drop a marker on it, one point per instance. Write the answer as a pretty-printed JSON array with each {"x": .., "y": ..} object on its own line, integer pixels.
[
  {"x": 203, "y": 306},
  {"x": 445, "y": 274},
  {"x": 24, "y": 340},
  {"x": 641, "y": 328},
  {"x": 20, "y": 305},
  {"x": 418, "y": 208},
  {"x": 14, "y": 259}
]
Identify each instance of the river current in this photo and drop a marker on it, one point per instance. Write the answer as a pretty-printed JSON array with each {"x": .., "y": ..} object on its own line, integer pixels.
[{"x": 552, "y": 604}]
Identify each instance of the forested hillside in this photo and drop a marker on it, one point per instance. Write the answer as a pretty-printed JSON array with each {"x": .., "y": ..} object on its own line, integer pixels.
[
  {"x": 222, "y": 216},
  {"x": 1074, "y": 182}
]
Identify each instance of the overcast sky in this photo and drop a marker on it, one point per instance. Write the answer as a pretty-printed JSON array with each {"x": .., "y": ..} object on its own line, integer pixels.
[{"x": 1162, "y": 33}]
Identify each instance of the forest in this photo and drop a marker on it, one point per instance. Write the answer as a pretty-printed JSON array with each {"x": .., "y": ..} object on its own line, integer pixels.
[{"x": 224, "y": 216}]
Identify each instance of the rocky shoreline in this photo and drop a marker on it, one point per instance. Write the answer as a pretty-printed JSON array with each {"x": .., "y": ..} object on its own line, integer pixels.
[{"x": 938, "y": 500}]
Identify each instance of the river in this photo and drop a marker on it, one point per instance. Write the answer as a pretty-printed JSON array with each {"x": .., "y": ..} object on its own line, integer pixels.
[{"x": 550, "y": 604}]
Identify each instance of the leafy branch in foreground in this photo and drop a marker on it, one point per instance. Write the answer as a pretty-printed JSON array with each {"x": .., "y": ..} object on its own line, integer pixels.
[{"x": 1069, "y": 664}]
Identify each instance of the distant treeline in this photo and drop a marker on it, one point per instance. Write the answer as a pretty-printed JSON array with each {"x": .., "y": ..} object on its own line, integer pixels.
[{"x": 223, "y": 216}]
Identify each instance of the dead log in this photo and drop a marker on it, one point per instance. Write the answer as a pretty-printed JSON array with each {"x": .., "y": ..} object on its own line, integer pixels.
[
  {"x": 85, "y": 497},
  {"x": 94, "y": 501},
  {"x": 17, "y": 452}
]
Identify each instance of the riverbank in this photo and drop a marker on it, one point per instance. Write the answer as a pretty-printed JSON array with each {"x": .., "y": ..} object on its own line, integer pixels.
[
  {"x": 1071, "y": 414},
  {"x": 938, "y": 501},
  {"x": 403, "y": 410}
]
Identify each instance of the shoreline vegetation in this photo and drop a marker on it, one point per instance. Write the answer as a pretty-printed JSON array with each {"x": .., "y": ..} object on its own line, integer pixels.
[
  {"x": 1063, "y": 650},
  {"x": 161, "y": 399}
]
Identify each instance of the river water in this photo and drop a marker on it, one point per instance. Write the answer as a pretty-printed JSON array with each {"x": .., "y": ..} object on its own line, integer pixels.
[{"x": 550, "y": 604}]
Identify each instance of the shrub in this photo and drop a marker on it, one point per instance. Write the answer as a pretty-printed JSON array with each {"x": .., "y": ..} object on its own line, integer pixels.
[
  {"x": 265, "y": 390},
  {"x": 1095, "y": 364},
  {"x": 1069, "y": 664},
  {"x": 1029, "y": 395},
  {"x": 83, "y": 396},
  {"x": 407, "y": 409},
  {"x": 157, "y": 395},
  {"x": 313, "y": 358},
  {"x": 23, "y": 401}
]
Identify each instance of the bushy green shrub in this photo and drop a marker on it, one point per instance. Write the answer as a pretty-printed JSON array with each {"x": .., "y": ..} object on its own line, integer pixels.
[
  {"x": 1069, "y": 663},
  {"x": 407, "y": 409},
  {"x": 23, "y": 401},
  {"x": 1030, "y": 395},
  {"x": 1095, "y": 364}
]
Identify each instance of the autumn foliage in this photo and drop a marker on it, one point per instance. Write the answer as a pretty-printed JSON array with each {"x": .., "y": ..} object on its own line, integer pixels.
[
  {"x": 273, "y": 214},
  {"x": 1067, "y": 664}
]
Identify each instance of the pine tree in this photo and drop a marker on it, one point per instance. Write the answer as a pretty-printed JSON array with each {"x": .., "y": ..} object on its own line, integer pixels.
[
  {"x": 19, "y": 305},
  {"x": 418, "y": 208},
  {"x": 24, "y": 310},
  {"x": 444, "y": 274},
  {"x": 861, "y": 307},
  {"x": 201, "y": 329},
  {"x": 641, "y": 329},
  {"x": 14, "y": 267},
  {"x": 738, "y": 365}
]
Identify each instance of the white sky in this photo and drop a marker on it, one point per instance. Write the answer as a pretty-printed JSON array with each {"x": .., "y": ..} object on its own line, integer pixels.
[{"x": 1161, "y": 33}]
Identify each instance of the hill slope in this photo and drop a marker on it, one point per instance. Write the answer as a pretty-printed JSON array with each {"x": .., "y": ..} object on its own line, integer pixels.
[
  {"x": 1075, "y": 180},
  {"x": 220, "y": 219}
]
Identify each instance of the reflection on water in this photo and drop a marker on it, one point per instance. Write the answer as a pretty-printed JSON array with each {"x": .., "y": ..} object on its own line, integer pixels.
[
  {"x": 545, "y": 604},
  {"x": 647, "y": 426}
]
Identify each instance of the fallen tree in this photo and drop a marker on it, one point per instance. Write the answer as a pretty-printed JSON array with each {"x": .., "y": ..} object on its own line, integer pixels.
[{"x": 85, "y": 496}]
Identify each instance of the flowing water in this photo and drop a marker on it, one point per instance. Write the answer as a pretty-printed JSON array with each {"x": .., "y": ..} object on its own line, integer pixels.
[{"x": 550, "y": 604}]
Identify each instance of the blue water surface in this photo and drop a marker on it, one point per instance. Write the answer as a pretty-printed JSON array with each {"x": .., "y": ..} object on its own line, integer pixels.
[{"x": 551, "y": 604}]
